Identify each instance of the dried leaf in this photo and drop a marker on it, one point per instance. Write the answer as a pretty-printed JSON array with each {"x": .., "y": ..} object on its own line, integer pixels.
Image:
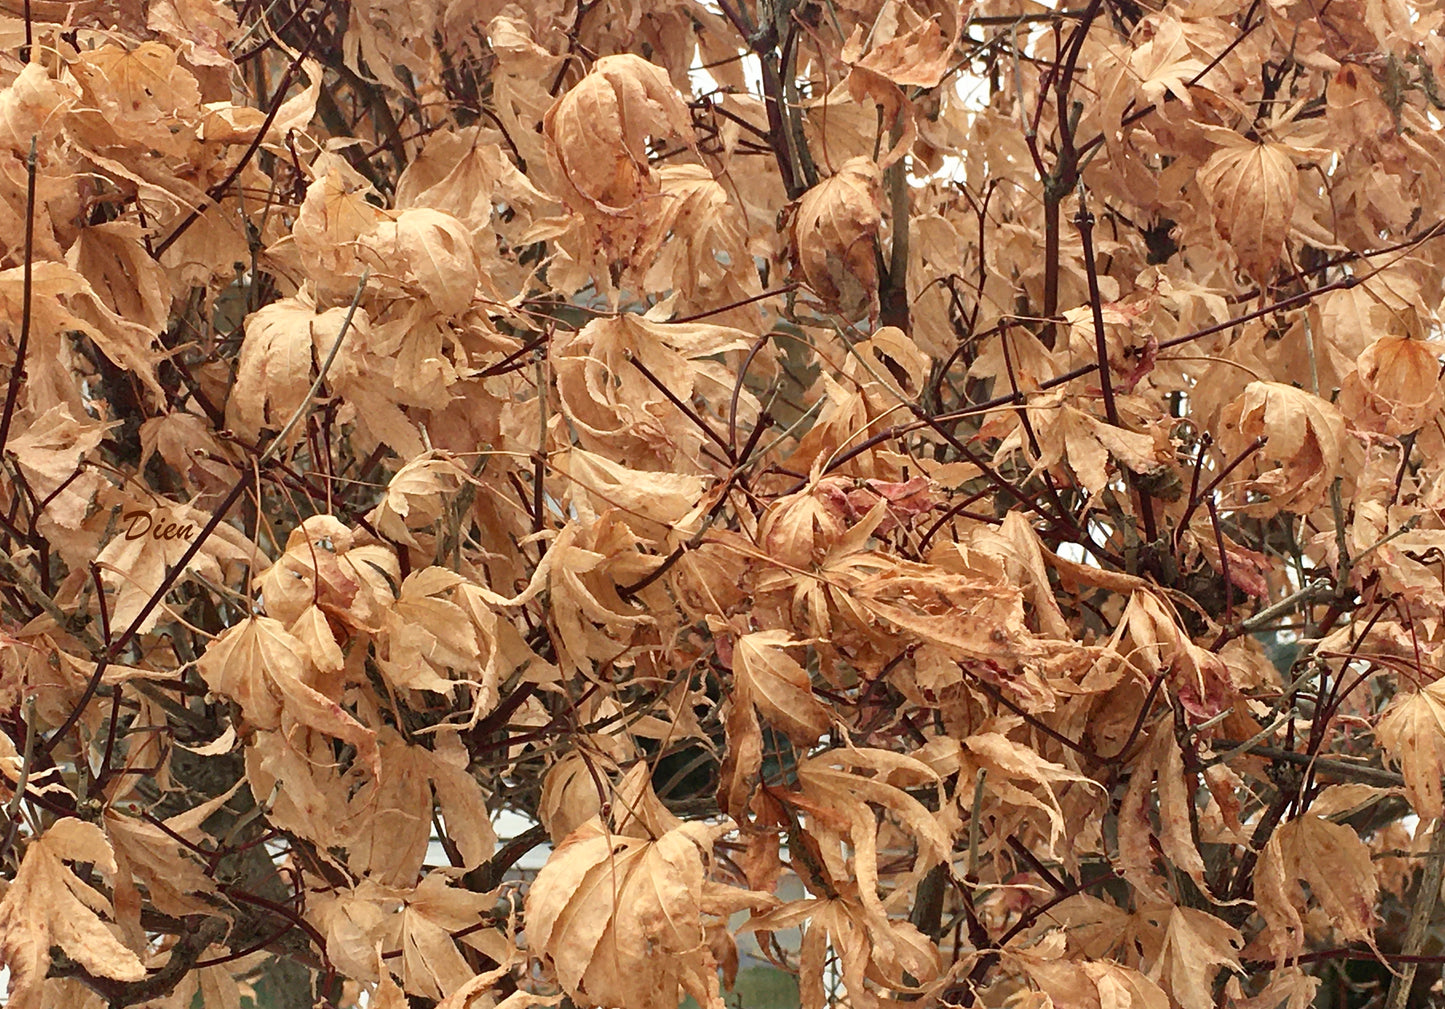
[
  {"x": 262, "y": 667},
  {"x": 596, "y": 133},
  {"x": 765, "y": 675},
  {"x": 1412, "y": 730},
  {"x": 276, "y": 364},
  {"x": 1252, "y": 190},
  {"x": 48, "y": 905},
  {"x": 1306, "y": 437},
  {"x": 1395, "y": 388},
  {"x": 1336, "y": 864},
  {"x": 835, "y": 233},
  {"x": 1196, "y": 946},
  {"x": 620, "y": 919},
  {"x": 919, "y": 57}
]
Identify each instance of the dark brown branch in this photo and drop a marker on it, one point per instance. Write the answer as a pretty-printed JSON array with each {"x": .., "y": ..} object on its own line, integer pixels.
[
  {"x": 691, "y": 414},
  {"x": 189, "y": 946}
]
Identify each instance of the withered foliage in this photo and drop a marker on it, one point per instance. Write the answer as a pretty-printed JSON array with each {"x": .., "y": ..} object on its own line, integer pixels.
[{"x": 952, "y": 492}]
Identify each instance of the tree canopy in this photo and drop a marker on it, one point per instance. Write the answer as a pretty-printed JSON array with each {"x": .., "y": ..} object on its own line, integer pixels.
[{"x": 973, "y": 468}]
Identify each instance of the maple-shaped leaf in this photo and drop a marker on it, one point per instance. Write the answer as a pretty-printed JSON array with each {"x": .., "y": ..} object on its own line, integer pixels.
[
  {"x": 49, "y": 905},
  {"x": 1412, "y": 730},
  {"x": 430, "y": 915},
  {"x": 919, "y": 56},
  {"x": 1092, "y": 928},
  {"x": 48, "y": 453},
  {"x": 389, "y": 825},
  {"x": 357, "y": 921},
  {"x": 1019, "y": 776},
  {"x": 652, "y": 504},
  {"x": 297, "y": 775},
  {"x": 619, "y": 413},
  {"x": 434, "y": 253},
  {"x": 1253, "y": 190},
  {"x": 1070, "y": 982},
  {"x": 1395, "y": 388},
  {"x": 141, "y": 92},
  {"x": 152, "y": 856},
  {"x": 620, "y": 919},
  {"x": 1336, "y": 864},
  {"x": 695, "y": 244},
  {"x": 1290, "y": 988},
  {"x": 1166, "y": 62},
  {"x": 1086, "y": 443},
  {"x": 274, "y": 372},
  {"x": 801, "y": 529},
  {"x": 1017, "y": 544},
  {"x": 1018, "y": 357},
  {"x": 969, "y": 616},
  {"x": 427, "y": 638},
  {"x": 262, "y": 667},
  {"x": 327, "y": 566},
  {"x": 1196, "y": 946},
  {"x": 839, "y": 793},
  {"x": 766, "y": 676},
  {"x": 1198, "y": 676},
  {"x": 130, "y": 283},
  {"x": 189, "y": 445},
  {"x": 440, "y": 253},
  {"x": 30, "y": 106},
  {"x": 460, "y": 174},
  {"x": 571, "y": 795},
  {"x": 416, "y": 496},
  {"x": 63, "y": 300},
  {"x": 871, "y": 947},
  {"x": 334, "y": 217}
]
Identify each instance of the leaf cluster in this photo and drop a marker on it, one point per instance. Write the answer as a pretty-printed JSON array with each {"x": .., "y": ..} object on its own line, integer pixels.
[{"x": 944, "y": 496}]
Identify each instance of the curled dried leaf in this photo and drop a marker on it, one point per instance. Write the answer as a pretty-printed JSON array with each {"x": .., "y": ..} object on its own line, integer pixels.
[
  {"x": 1336, "y": 864},
  {"x": 597, "y": 133},
  {"x": 1395, "y": 388},
  {"x": 1306, "y": 439},
  {"x": 835, "y": 235},
  {"x": 1252, "y": 189},
  {"x": 765, "y": 675}
]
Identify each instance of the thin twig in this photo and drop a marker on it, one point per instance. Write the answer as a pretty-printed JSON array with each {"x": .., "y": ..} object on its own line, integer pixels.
[
  {"x": 1342, "y": 769},
  {"x": 992, "y": 404},
  {"x": 301, "y": 408},
  {"x": 691, "y": 414},
  {"x": 12, "y": 808}
]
